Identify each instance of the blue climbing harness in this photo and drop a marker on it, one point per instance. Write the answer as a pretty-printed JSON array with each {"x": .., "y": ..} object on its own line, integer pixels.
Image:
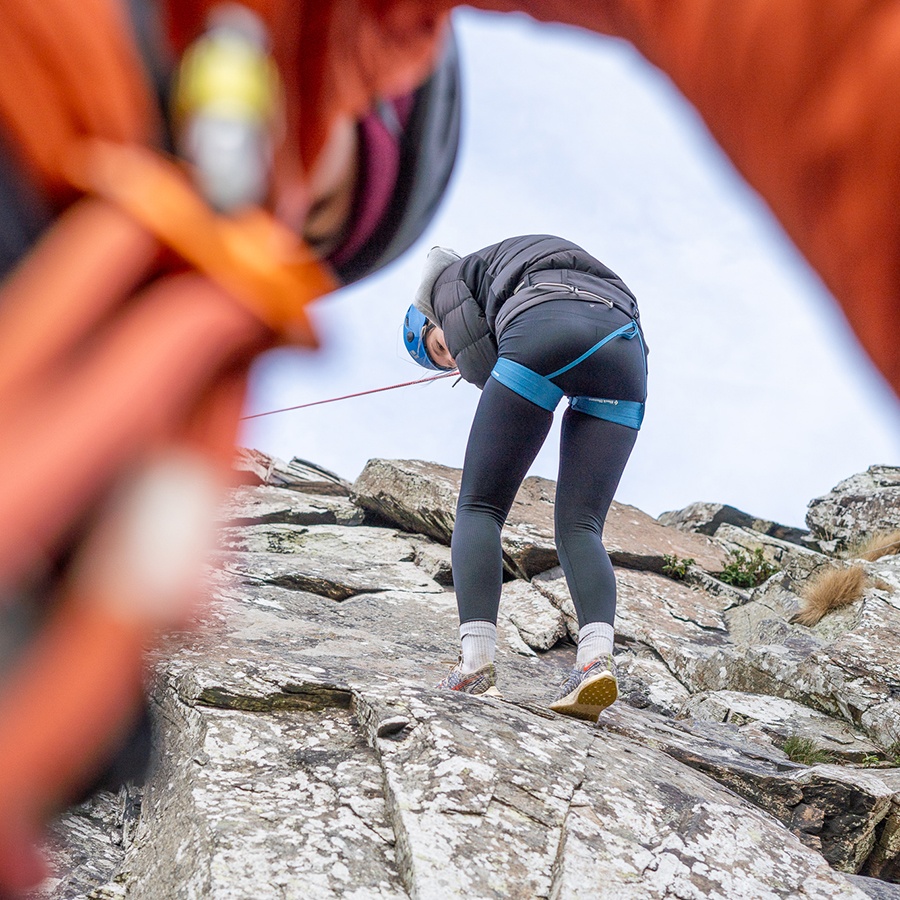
[{"x": 541, "y": 390}]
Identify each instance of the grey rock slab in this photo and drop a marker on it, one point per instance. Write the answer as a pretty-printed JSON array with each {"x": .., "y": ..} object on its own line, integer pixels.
[
  {"x": 884, "y": 860},
  {"x": 262, "y": 631},
  {"x": 874, "y": 888},
  {"x": 643, "y": 826},
  {"x": 706, "y": 518},
  {"x": 360, "y": 545},
  {"x": 782, "y": 718},
  {"x": 778, "y": 600},
  {"x": 382, "y": 545},
  {"x": 412, "y": 494},
  {"x": 308, "y": 478},
  {"x": 267, "y": 787},
  {"x": 473, "y": 808},
  {"x": 697, "y": 577},
  {"x": 421, "y": 497},
  {"x": 775, "y": 550},
  {"x": 832, "y": 809},
  {"x": 887, "y": 570},
  {"x": 539, "y": 623},
  {"x": 467, "y": 779},
  {"x": 684, "y": 625},
  {"x": 637, "y": 541},
  {"x": 264, "y": 504},
  {"x": 434, "y": 559},
  {"x": 846, "y": 665},
  {"x": 86, "y": 846},
  {"x": 282, "y": 804},
  {"x": 255, "y": 467},
  {"x": 333, "y": 562},
  {"x": 552, "y": 584},
  {"x": 528, "y": 535},
  {"x": 268, "y": 538},
  {"x": 632, "y": 538},
  {"x": 645, "y": 682},
  {"x": 857, "y": 506},
  {"x": 847, "y": 670},
  {"x": 507, "y": 631},
  {"x": 335, "y": 580}
]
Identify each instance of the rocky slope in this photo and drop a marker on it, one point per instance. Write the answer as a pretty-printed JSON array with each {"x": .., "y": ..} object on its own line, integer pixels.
[{"x": 304, "y": 752}]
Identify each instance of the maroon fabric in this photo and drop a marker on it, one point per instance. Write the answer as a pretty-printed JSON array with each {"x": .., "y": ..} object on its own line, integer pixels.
[{"x": 379, "y": 167}]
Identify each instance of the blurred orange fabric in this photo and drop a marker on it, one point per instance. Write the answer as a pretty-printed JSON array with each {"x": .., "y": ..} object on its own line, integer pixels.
[
  {"x": 110, "y": 349},
  {"x": 114, "y": 350},
  {"x": 803, "y": 96}
]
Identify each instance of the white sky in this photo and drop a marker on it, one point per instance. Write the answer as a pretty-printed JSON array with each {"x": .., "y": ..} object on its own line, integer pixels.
[{"x": 758, "y": 394}]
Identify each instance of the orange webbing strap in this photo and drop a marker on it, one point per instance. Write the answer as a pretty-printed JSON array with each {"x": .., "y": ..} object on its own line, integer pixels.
[
  {"x": 105, "y": 360},
  {"x": 150, "y": 375},
  {"x": 255, "y": 258},
  {"x": 83, "y": 421},
  {"x": 72, "y": 701}
]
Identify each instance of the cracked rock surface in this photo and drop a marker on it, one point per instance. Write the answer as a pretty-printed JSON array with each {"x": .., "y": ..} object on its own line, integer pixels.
[{"x": 303, "y": 751}]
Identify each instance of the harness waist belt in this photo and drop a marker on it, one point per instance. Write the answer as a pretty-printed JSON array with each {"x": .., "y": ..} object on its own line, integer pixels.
[{"x": 541, "y": 390}]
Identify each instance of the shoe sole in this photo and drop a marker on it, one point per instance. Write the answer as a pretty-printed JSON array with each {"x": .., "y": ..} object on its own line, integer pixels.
[{"x": 589, "y": 699}]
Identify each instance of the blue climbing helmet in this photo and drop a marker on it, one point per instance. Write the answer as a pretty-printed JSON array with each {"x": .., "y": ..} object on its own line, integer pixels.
[{"x": 415, "y": 327}]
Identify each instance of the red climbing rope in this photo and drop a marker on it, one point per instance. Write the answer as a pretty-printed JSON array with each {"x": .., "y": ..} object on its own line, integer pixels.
[{"x": 389, "y": 387}]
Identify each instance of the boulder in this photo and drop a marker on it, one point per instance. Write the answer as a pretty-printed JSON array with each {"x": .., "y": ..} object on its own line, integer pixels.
[
  {"x": 857, "y": 507},
  {"x": 411, "y": 494},
  {"x": 434, "y": 559},
  {"x": 774, "y": 550},
  {"x": 421, "y": 497},
  {"x": 782, "y": 719},
  {"x": 645, "y": 682},
  {"x": 255, "y": 468},
  {"x": 540, "y": 624},
  {"x": 276, "y": 506},
  {"x": 706, "y": 518}
]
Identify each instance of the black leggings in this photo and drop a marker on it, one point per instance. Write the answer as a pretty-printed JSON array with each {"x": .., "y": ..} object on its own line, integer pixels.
[{"x": 507, "y": 434}]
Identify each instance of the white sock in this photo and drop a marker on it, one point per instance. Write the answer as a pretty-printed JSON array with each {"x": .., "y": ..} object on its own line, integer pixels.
[
  {"x": 479, "y": 643},
  {"x": 594, "y": 639}
]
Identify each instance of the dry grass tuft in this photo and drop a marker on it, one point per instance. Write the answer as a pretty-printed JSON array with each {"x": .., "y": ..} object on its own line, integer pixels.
[
  {"x": 830, "y": 590},
  {"x": 882, "y": 543}
]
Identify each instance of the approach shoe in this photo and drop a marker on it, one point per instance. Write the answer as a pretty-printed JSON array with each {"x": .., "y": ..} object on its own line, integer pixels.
[
  {"x": 588, "y": 690},
  {"x": 481, "y": 682}
]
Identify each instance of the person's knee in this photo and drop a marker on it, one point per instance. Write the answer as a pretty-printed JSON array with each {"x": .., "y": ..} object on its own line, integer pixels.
[
  {"x": 577, "y": 525},
  {"x": 478, "y": 509}
]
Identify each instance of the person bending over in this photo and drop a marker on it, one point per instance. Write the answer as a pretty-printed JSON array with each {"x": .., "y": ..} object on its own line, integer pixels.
[{"x": 529, "y": 320}]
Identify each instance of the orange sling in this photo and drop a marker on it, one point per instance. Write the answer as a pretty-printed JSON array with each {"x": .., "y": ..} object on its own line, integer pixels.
[
  {"x": 803, "y": 96},
  {"x": 127, "y": 332}
]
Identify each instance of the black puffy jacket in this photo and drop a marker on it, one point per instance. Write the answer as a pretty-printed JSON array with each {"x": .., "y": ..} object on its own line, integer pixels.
[{"x": 475, "y": 298}]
